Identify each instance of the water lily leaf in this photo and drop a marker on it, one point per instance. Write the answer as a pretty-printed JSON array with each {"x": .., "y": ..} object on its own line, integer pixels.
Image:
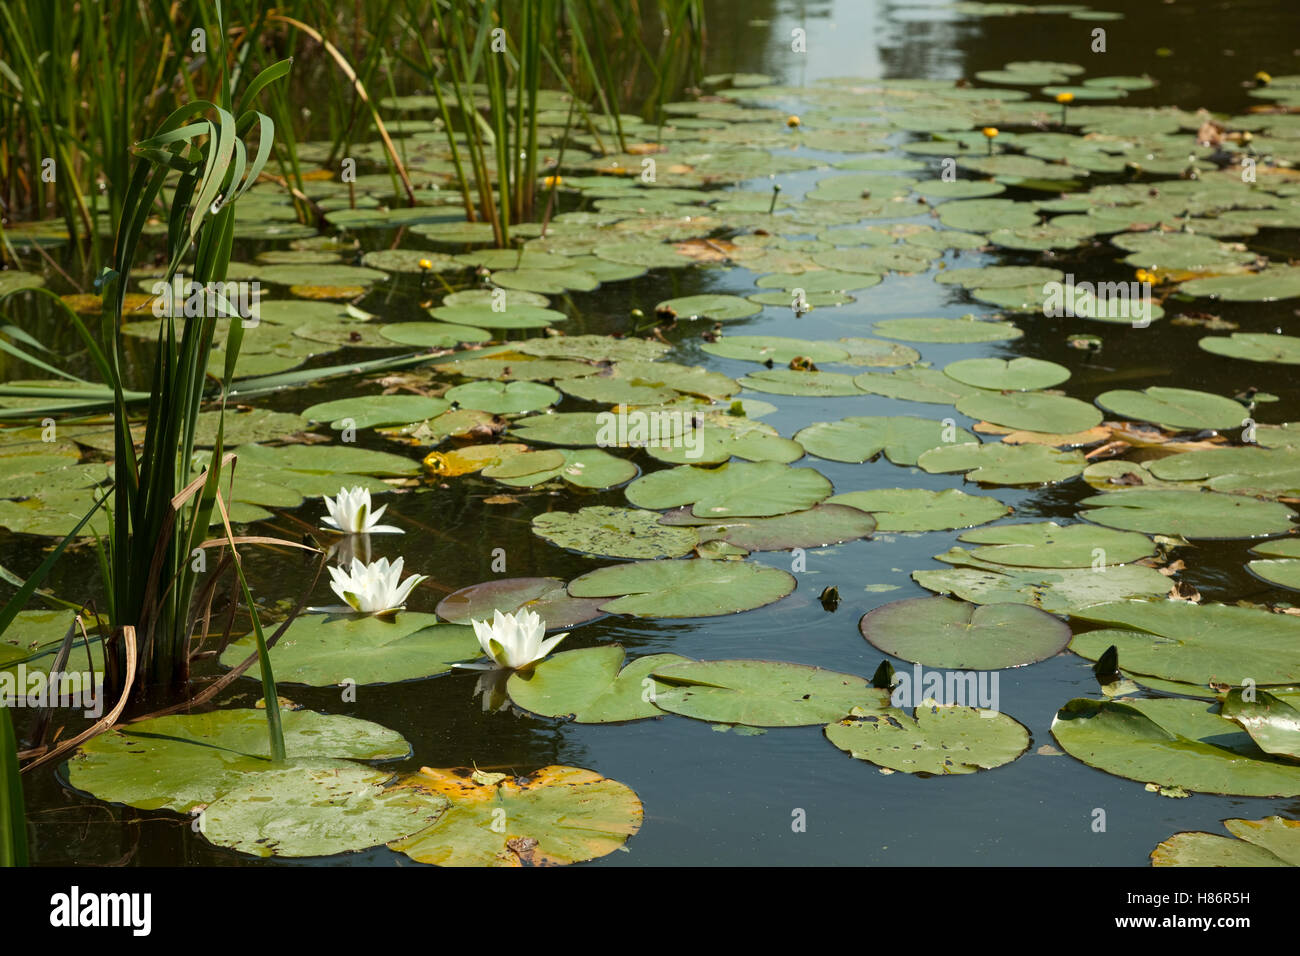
[
  {"x": 1272, "y": 841},
  {"x": 914, "y": 385},
  {"x": 432, "y": 335},
  {"x": 1176, "y": 408},
  {"x": 902, "y": 438},
  {"x": 486, "y": 317},
  {"x": 720, "y": 308},
  {"x": 367, "y": 411},
  {"x": 545, "y": 597},
  {"x": 1019, "y": 374},
  {"x": 956, "y": 635},
  {"x": 614, "y": 533},
  {"x": 501, "y": 398},
  {"x": 937, "y": 739},
  {"x": 1276, "y": 282},
  {"x": 1032, "y": 411},
  {"x": 713, "y": 444},
  {"x": 874, "y": 260},
  {"x": 791, "y": 382},
  {"x": 1174, "y": 743},
  {"x": 878, "y": 354},
  {"x": 999, "y": 277},
  {"x": 182, "y": 761},
  {"x": 774, "y": 348},
  {"x": 1191, "y": 514},
  {"x": 327, "y": 459},
  {"x": 946, "y": 331},
  {"x": 959, "y": 189},
  {"x": 553, "y": 816},
  {"x": 1058, "y": 590},
  {"x": 1269, "y": 719},
  {"x": 594, "y": 348},
  {"x": 999, "y": 464},
  {"x": 1249, "y": 469},
  {"x": 546, "y": 281},
  {"x": 735, "y": 489},
  {"x": 762, "y": 693},
  {"x": 521, "y": 368},
  {"x": 1255, "y": 347},
  {"x": 319, "y": 274},
  {"x": 683, "y": 588},
  {"x": 589, "y": 686},
  {"x": 526, "y": 464},
  {"x": 1194, "y": 643},
  {"x": 920, "y": 509},
  {"x": 1279, "y": 563},
  {"x": 559, "y": 428},
  {"x": 1045, "y": 544},
  {"x": 305, "y": 810},
  {"x": 591, "y": 468},
  {"x": 415, "y": 261},
  {"x": 820, "y": 280},
  {"x": 327, "y": 650},
  {"x": 821, "y": 525}
]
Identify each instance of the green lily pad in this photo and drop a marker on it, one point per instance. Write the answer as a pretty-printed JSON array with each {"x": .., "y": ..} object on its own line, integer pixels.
[
  {"x": 327, "y": 459},
  {"x": 1194, "y": 643},
  {"x": 919, "y": 509},
  {"x": 820, "y": 525},
  {"x": 956, "y": 635},
  {"x": 368, "y": 411},
  {"x": 546, "y": 597},
  {"x": 1045, "y": 544},
  {"x": 433, "y": 335},
  {"x": 998, "y": 464},
  {"x": 1279, "y": 563},
  {"x": 327, "y": 650},
  {"x": 914, "y": 385},
  {"x": 876, "y": 353},
  {"x": 614, "y": 533},
  {"x": 1270, "y": 719},
  {"x": 592, "y": 686},
  {"x": 1272, "y": 841},
  {"x": 1020, "y": 374},
  {"x": 683, "y": 588},
  {"x": 501, "y": 398},
  {"x": 762, "y": 693},
  {"x": 735, "y": 489},
  {"x": 591, "y": 468},
  {"x": 1173, "y": 743},
  {"x": 485, "y": 317},
  {"x": 774, "y": 348},
  {"x": 946, "y": 331},
  {"x": 1191, "y": 514},
  {"x": 1255, "y": 347},
  {"x": 902, "y": 438},
  {"x": 1031, "y": 411},
  {"x": 183, "y": 761},
  {"x": 554, "y": 816},
  {"x": 1058, "y": 590},
  {"x": 791, "y": 382},
  {"x": 1276, "y": 282},
  {"x": 306, "y": 810},
  {"x": 719, "y": 308},
  {"x": 1177, "y": 408},
  {"x": 935, "y": 739}
]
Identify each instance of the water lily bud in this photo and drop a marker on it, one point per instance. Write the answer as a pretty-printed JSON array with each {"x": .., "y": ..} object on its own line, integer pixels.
[{"x": 792, "y": 121}]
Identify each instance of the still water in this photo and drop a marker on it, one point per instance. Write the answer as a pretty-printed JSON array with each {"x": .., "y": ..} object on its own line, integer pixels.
[{"x": 720, "y": 798}]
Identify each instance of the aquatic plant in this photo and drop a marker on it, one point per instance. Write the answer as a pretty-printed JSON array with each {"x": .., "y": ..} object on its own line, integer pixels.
[{"x": 514, "y": 641}]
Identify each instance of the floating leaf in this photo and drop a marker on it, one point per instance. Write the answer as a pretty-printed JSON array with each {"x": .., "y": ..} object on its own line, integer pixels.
[
  {"x": 589, "y": 686},
  {"x": 1020, "y": 374},
  {"x": 553, "y": 816},
  {"x": 683, "y": 588},
  {"x": 902, "y": 438},
  {"x": 762, "y": 693},
  {"x": 368, "y": 411},
  {"x": 1191, "y": 514},
  {"x": 947, "y": 331},
  {"x": 1045, "y": 544},
  {"x": 821, "y": 525},
  {"x": 774, "y": 348},
  {"x": 1000, "y": 464},
  {"x": 720, "y": 308},
  {"x": 614, "y": 533},
  {"x": 938, "y": 739},
  {"x": 1272, "y": 841},
  {"x": 956, "y": 635},
  {"x": 919, "y": 509},
  {"x": 1177, "y": 408},
  {"x": 546, "y": 597},
  {"x": 745, "y": 489}
]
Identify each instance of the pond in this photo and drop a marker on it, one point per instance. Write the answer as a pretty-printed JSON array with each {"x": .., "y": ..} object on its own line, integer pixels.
[{"x": 919, "y": 162}]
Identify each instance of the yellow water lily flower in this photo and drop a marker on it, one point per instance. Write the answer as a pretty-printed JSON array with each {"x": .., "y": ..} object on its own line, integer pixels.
[
  {"x": 792, "y": 121},
  {"x": 1065, "y": 97},
  {"x": 551, "y": 181},
  {"x": 426, "y": 264},
  {"x": 1262, "y": 79}
]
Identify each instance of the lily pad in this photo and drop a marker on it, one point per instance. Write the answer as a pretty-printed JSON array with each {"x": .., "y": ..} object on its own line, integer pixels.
[
  {"x": 182, "y": 761},
  {"x": 920, "y": 509},
  {"x": 1046, "y": 544},
  {"x": 946, "y": 331},
  {"x": 1191, "y": 514},
  {"x": 1255, "y": 347},
  {"x": 935, "y": 739},
  {"x": 999, "y": 464},
  {"x": 1272, "y": 841},
  {"x": 720, "y": 308},
  {"x": 791, "y": 382},
  {"x": 553, "y": 816},
  {"x": 614, "y": 533},
  {"x": 735, "y": 489},
  {"x": 368, "y": 411},
  {"x": 956, "y": 635},
  {"x": 546, "y": 597},
  {"x": 1176, "y": 408},
  {"x": 774, "y": 348},
  {"x": 902, "y": 438},
  {"x": 762, "y": 693},
  {"x": 1020, "y": 374},
  {"x": 1031, "y": 411},
  {"x": 327, "y": 650},
  {"x": 821, "y": 525},
  {"x": 683, "y": 588},
  {"x": 1173, "y": 743},
  {"x": 501, "y": 398},
  {"x": 592, "y": 686}
]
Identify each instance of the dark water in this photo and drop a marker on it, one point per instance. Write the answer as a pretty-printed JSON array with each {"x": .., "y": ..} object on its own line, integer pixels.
[{"x": 715, "y": 797}]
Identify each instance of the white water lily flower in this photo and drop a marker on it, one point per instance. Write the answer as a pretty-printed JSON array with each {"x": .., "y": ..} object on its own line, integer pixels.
[
  {"x": 350, "y": 513},
  {"x": 515, "y": 641},
  {"x": 374, "y": 588}
]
